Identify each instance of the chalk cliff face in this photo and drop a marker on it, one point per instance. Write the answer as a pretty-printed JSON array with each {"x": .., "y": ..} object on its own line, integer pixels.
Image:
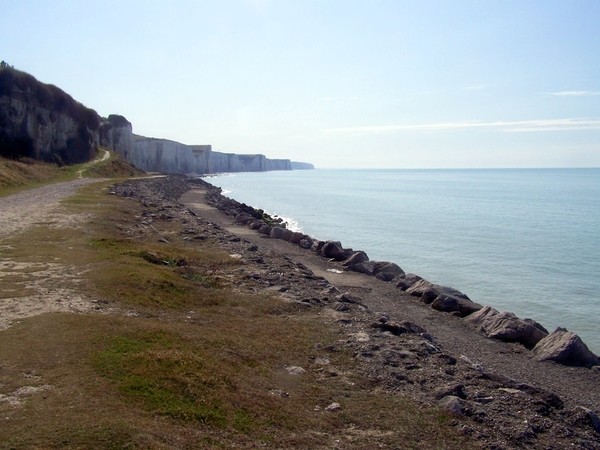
[
  {"x": 41, "y": 121},
  {"x": 162, "y": 155},
  {"x": 116, "y": 133}
]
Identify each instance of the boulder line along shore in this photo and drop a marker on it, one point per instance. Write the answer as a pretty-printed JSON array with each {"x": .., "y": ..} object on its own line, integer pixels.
[
  {"x": 561, "y": 346},
  {"x": 502, "y": 393}
]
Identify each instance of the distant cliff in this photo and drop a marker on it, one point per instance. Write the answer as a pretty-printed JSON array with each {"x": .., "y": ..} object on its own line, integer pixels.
[
  {"x": 162, "y": 155},
  {"x": 42, "y": 122}
]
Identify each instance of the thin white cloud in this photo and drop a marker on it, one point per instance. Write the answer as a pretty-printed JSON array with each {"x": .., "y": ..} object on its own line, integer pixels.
[
  {"x": 500, "y": 125},
  {"x": 573, "y": 93}
]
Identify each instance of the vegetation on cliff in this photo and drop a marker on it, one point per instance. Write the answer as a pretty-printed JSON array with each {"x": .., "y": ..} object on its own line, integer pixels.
[{"x": 30, "y": 125}]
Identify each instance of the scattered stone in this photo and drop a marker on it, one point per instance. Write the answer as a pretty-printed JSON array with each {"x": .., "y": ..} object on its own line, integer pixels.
[
  {"x": 295, "y": 370},
  {"x": 279, "y": 393},
  {"x": 399, "y": 328},
  {"x": 452, "y": 404},
  {"x": 333, "y": 407},
  {"x": 456, "y": 390},
  {"x": 361, "y": 337},
  {"x": 586, "y": 417}
]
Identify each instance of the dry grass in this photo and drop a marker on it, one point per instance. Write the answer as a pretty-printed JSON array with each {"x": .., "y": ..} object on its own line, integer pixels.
[
  {"x": 194, "y": 364},
  {"x": 27, "y": 173}
]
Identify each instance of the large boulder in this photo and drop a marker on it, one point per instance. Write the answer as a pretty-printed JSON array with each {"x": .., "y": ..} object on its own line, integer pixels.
[
  {"x": 441, "y": 298},
  {"x": 333, "y": 250},
  {"x": 423, "y": 289},
  {"x": 296, "y": 237},
  {"x": 281, "y": 233},
  {"x": 356, "y": 258},
  {"x": 387, "y": 271},
  {"x": 383, "y": 270},
  {"x": 244, "y": 218},
  {"x": 565, "y": 347},
  {"x": 461, "y": 306},
  {"x": 407, "y": 280},
  {"x": 505, "y": 326}
]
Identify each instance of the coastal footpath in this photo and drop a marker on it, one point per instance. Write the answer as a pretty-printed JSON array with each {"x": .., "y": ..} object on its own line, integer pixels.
[{"x": 42, "y": 122}]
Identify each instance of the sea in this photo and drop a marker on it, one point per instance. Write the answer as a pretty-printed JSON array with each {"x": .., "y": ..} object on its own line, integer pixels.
[{"x": 520, "y": 240}]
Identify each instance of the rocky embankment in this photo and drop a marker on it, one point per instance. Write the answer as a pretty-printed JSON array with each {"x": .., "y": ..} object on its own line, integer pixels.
[
  {"x": 403, "y": 349},
  {"x": 561, "y": 346}
]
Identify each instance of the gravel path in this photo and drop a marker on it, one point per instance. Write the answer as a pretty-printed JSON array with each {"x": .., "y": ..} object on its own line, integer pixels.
[
  {"x": 34, "y": 288},
  {"x": 20, "y": 211}
]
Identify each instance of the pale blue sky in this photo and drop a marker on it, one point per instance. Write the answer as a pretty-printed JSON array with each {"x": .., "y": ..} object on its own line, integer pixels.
[{"x": 340, "y": 83}]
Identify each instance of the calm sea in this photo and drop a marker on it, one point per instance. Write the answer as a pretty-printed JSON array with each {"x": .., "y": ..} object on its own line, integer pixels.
[{"x": 526, "y": 241}]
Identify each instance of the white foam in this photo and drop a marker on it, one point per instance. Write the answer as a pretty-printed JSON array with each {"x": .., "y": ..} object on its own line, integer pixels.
[{"x": 290, "y": 223}]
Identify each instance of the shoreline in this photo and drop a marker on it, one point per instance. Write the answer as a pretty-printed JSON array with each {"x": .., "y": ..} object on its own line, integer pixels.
[
  {"x": 493, "y": 323},
  {"x": 493, "y": 391}
]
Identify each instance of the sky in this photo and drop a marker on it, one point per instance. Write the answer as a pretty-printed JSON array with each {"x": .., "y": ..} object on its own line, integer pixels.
[{"x": 339, "y": 83}]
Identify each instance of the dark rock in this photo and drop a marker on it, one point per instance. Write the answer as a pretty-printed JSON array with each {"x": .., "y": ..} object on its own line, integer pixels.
[
  {"x": 565, "y": 347},
  {"x": 255, "y": 225},
  {"x": 387, "y": 271},
  {"x": 317, "y": 246},
  {"x": 296, "y": 237},
  {"x": 456, "y": 390},
  {"x": 452, "y": 404},
  {"x": 586, "y": 417},
  {"x": 442, "y": 298},
  {"x": 281, "y": 233},
  {"x": 420, "y": 287},
  {"x": 399, "y": 328},
  {"x": 348, "y": 298},
  {"x": 333, "y": 250},
  {"x": 366, "y": 267},
  {"x": 244, "y": 218},
  {"x": 356, "y": 258},
  {"x": 341, "y": 307},
  {"x": 265, "y": 229},
  {"x": 305, "y": 243},
  {"x": 383, "y": 270},
  {"x": 538, "y": 325},
  {"x": 406, "y": 281},
  {"x": 505, "y": 326}
]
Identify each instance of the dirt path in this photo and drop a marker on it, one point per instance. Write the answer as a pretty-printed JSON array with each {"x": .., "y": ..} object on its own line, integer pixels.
[
  {"x": 20, "y": 211},
  {"x": 29, "y": 288}
]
